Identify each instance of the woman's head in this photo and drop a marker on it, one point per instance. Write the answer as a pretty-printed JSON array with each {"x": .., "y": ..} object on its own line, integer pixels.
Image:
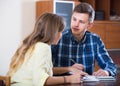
[{"x": 47, "y": 27}]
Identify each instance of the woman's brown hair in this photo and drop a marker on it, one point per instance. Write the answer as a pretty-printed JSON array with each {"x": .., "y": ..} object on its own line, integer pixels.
[{"x": 45, "y": 30}]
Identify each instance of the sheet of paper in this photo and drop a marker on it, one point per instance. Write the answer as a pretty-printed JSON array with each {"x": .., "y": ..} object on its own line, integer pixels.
[
  {"x": 106, "y": 78},
  {"x": 90, "y": 79},
  {"x": 98, "y": 78}
]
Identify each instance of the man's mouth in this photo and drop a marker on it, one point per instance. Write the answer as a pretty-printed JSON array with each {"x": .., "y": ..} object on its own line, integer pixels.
[{"x": 75, "y": 29}]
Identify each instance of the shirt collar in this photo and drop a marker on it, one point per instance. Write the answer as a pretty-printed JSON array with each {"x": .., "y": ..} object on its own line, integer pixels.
[{"x": 73, "y": 38}]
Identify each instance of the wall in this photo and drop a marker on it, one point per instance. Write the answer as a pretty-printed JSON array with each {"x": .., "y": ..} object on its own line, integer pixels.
[{"x": 17, "y": 18}]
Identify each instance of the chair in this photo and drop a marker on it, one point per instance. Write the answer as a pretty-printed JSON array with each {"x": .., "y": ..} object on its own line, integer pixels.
[{"x": 4, "y": 80}]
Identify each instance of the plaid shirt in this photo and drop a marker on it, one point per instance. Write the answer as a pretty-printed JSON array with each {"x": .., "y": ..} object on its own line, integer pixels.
[{"x": 91, "y": 48}]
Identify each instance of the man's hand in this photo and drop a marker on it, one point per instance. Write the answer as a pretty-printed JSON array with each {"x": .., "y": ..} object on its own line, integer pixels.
[
  {"x": 101, "y": 72},
  {"x": 77, "y": 68}
]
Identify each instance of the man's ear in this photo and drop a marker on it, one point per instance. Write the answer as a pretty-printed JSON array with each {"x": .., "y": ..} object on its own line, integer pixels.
[{"x": 90, "y": 25}]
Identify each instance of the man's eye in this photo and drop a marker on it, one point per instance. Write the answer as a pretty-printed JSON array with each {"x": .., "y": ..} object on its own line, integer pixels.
[
  {"x": 74, "y": 19},
  {"x": 82, "y": 22}
]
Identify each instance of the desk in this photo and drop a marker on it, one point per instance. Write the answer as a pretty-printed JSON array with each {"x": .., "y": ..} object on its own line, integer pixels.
[{"x": 99, "y": 83}]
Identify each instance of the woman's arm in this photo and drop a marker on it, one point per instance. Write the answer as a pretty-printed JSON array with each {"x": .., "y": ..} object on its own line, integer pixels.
[{"x": 75, "y": 78}]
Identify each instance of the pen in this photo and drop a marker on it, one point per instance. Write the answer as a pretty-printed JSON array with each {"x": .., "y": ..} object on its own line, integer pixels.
[{"x": 72, "y": 60}]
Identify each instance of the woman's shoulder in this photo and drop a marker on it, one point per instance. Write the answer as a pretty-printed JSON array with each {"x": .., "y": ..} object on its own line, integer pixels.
[
  {"x": 41, "y": 44},
  {"x": 39, "y": 48}
]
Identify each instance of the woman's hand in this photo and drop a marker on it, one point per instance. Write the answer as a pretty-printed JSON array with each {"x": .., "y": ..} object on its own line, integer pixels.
[{"x": 75, "y": 78}]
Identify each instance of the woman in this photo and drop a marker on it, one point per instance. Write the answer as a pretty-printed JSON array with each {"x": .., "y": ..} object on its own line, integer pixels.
[{"x": 32, "y": 65}]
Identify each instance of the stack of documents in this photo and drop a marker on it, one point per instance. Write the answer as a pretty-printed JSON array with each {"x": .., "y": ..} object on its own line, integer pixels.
[
  {"x": 106, "y": 78},
  {"x": 98, "y": 78},
  {"x": 90, "y": 79}
]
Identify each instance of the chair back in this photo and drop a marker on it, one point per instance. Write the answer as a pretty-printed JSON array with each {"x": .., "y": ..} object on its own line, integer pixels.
[{"x": 4, "y": 80}]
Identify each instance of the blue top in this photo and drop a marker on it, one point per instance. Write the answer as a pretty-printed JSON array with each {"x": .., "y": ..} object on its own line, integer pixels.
[{"x": 85, "y": 52}]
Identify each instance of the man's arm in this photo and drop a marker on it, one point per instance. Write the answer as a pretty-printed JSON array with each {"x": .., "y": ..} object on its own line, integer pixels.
[{"x": 105, "y": 62}]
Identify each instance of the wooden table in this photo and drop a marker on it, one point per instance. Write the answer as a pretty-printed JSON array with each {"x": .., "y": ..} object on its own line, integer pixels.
[{"x": 98, "y": 83}]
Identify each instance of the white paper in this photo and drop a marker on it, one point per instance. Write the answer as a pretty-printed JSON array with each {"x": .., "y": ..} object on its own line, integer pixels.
[
  {"x": 98, "y": 78},
  {"x": 106, "y": 78},
  {"x": 90, "y": 79}
]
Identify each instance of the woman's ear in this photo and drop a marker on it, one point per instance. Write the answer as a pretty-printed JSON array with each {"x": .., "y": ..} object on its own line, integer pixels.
[{"x": 90, "y": 25}]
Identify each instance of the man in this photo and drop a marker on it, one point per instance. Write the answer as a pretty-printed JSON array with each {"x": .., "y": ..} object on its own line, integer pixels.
[{"x": 78, "y": 48}]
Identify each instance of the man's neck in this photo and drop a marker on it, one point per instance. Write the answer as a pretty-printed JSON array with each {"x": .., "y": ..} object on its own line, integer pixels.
[{"x": 80, "y": 37}]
